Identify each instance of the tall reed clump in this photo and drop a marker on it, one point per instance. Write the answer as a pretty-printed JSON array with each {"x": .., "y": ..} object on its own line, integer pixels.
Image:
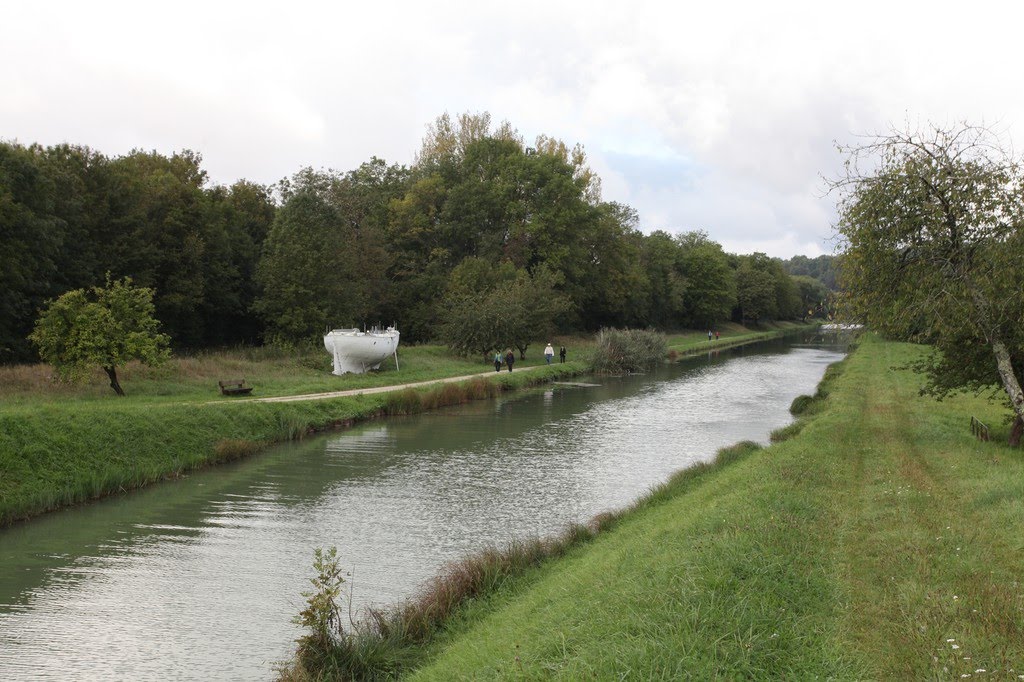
[
  {"x": 412, "y": 401},
  {"x": 628, "y": 350},
  {"x": 230, "y": 449}
]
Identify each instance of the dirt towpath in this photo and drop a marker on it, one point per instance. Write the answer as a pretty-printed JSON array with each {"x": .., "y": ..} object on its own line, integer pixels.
[{"x": 375, "y": 389}]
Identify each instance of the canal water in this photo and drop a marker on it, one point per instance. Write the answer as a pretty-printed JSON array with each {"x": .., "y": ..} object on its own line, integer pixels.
[{"x": 199, "y": 579}]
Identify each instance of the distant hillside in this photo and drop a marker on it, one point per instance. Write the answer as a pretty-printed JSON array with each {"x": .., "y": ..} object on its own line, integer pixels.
[{"x": 822, "y": 268}]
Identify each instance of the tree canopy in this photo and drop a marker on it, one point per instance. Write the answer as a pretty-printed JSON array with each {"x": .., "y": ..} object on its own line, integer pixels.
[
  {"x": 104, "y": 327},
  {"x": 490, "y": 308},
  {"x": 934, "y": 251}
]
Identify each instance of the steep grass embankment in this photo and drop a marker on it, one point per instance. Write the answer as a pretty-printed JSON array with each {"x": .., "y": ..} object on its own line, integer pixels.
[{"x": 881, "y": 541}]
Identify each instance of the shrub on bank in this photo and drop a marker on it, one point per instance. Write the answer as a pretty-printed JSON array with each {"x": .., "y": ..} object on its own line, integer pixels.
[{"x": 628, "y": 350}]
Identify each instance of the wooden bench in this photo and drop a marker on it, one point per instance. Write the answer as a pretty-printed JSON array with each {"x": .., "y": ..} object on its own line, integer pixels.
[{"x": 234, "y": 387}]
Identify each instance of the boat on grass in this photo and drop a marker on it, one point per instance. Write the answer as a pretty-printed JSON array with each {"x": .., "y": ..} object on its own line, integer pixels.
[{"x": 360, "y": 351}]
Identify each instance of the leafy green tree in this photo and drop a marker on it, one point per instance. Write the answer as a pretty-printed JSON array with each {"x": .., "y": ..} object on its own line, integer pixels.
[
  {"x": 309, "y": 272},
  {"x": 787, "y": 293},
  {"x": 238, "y": 219},
  {"x": 31, "y": 242},
  {"x": 534, "y": 304},
  {"x": 934, "y": 251},
  {"x": 666, "y": 283},
  {"x": 325, "y": 259},
  {"x": 106, "y": 326},
  {"x": 615, "y": 288},
  {"x": 756, "y": 294},
  {"x": 814, "y": 296},
  {"x": 710, "y": 293},
  {"x": 764, "y": 291},
  {"x": 420, "y": 256},
  {"x": 577, "y": 158},
  {"x": 158, "y": 235},
  {"x": 487, "y": 307}
]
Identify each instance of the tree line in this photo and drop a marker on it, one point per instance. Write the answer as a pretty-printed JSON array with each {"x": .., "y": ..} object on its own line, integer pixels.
[{"x": 481, "y": 229}]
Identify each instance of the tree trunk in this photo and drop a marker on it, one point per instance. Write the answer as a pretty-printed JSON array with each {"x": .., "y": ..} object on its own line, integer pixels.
[
  {"x": 1016, "y": 432},
  {"x": 1004, "y": 365},
  {"x": 112, "y": 373},
  {"x": 1010, "y": 385}
]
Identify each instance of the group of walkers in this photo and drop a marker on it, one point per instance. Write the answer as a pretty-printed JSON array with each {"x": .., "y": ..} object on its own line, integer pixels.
[
  {"x": 509, "y": 358},
  {"x": 713, "y": 334}
]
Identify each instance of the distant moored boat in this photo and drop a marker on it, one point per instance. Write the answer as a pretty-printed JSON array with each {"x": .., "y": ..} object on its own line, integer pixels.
[{"x": 356, "y": 352}]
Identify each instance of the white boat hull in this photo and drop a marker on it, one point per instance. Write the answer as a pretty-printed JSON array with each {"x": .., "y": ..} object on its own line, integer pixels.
[{"x": 357, "y": 352}]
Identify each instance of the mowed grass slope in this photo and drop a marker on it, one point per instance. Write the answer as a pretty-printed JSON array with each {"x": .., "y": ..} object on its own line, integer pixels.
[{"x": 880, "y": 542}]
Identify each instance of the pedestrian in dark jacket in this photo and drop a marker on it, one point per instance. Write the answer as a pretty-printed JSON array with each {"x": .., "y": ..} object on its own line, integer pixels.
[
  {"x": 510, "y": 359},
  {"x": 561, "y": 353}
]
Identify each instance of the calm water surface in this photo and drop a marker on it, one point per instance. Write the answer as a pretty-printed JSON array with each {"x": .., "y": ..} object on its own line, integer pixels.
[{"x": 199, "y": 579}]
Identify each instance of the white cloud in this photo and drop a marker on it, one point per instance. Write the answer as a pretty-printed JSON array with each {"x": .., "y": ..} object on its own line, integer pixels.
[{"x": 717, "y": 116}]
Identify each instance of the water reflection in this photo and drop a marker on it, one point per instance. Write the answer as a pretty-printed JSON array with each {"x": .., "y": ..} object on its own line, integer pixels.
[{"x": 199, "y": 578}]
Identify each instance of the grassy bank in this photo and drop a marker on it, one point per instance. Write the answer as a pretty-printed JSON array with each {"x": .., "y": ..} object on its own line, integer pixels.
[
  {"x": 272, "y": 372},
  {"x": 881, "y": 541},
  {"x": 57, "y": 453},
  {"x": 731, "y": 335},
  {"x": 64, "y": 444}
]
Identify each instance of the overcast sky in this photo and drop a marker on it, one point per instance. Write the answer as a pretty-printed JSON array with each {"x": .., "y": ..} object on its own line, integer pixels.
[{"x": 714, "y": 116}]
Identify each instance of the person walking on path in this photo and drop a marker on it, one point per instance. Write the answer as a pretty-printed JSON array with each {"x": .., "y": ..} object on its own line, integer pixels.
[
  {"x": 561, "y": 353},
  {"x": 549, "y": 353},
  {"x": 497, "y": 361},
  {"x": 510, "y": 359},
  {"x": 716, "y": 335},
  {"x": 709, "y": 335}
]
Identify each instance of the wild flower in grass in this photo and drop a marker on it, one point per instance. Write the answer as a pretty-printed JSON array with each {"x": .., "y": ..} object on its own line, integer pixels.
[
  {"x": 950, "y": 641},
  {"x": 956, "y": 646}
]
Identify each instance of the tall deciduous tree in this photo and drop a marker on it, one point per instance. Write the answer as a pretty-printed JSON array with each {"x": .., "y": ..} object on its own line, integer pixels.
[
  {"x": 711, "y": 284},
  {"x": 934, "y": 250},
  {"x": 324, "y": 261},
  {"x": 814, "y": 296},
  {"x": 493, "y": 307},
  {"x": 756, "y": 293},
  {"x": 31, "y": 241},
  {"x": 308, "y": 272},
  {"x": 106, "y": 327}
]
